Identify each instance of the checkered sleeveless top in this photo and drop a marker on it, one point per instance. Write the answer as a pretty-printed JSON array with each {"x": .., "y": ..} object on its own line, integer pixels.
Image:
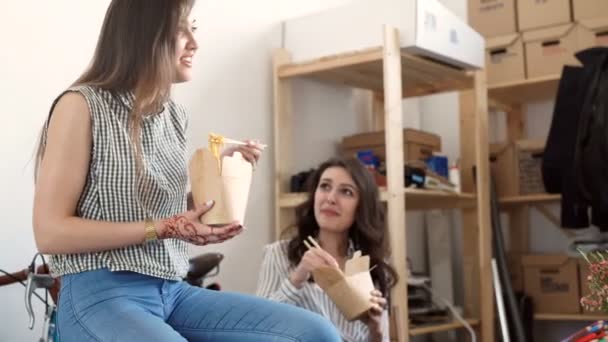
[{"x": 110, "y": 190}]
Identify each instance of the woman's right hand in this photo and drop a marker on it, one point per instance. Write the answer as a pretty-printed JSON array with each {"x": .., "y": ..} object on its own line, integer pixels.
[
  {"x": 187, "y": 227},
  {"x": 312, "y": 260}
]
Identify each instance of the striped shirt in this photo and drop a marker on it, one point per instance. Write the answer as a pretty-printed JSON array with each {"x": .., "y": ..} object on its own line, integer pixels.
[
  {"x": 109, "y": 192},
  {"x": 274, "y": 284}
]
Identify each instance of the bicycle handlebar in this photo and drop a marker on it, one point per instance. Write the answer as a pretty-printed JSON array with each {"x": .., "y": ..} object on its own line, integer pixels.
[{"x": 14, "y": 277}]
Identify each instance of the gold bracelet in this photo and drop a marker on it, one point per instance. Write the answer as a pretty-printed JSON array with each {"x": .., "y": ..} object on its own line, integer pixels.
[{"x": 150, "y": 230}]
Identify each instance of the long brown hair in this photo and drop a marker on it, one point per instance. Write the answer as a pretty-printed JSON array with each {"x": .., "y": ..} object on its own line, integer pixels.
[
  {"x": 136, "y": 53},
  {"x": 368, "y": 232}
]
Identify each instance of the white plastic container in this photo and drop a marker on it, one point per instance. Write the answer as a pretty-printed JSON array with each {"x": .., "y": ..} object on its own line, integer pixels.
[
  {"x": 455, "y": 177},
  {"x": 425, "y": 27}
]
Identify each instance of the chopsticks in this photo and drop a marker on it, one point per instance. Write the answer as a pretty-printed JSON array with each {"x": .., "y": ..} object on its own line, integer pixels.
[
  {"x": 238, "y": 142},
  {"x": 313, "y": 241},
  {"x": 310, "y": 240}
]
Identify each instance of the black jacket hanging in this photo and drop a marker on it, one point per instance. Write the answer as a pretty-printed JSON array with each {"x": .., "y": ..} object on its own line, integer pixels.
[{"x": 575, "y": 162}]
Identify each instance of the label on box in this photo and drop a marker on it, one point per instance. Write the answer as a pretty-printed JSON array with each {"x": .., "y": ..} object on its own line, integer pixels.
[
  {"x": 550, "y": 285},
  {"x": 491, "y": 5},
  {"x": 454, "y": 37},
  {"x": 499, "y": 57}
]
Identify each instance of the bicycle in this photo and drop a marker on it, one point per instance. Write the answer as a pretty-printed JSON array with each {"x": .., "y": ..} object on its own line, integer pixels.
[{"x": 38, "y": 277}]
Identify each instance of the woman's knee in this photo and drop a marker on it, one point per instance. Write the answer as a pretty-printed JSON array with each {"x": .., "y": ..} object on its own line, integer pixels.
[{"x": 318, "y": 328}]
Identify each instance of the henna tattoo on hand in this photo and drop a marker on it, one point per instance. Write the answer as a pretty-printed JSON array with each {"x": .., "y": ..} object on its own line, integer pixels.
[{"x": 180, "y": 227}]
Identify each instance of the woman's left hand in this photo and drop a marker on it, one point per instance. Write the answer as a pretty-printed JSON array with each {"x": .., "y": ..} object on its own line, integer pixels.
[
  {"x": 373, "y": 320},
  {"x": 251, "y": 152}
]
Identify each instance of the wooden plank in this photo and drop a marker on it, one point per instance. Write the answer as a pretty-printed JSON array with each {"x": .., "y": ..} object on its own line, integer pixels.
[
  {"x": 364, "y": 69},
  {"x": 483, "y": 207},
  {"x": 516, "y": 123},
  {"x": 529, "y": 90},
  {"x": 377, "y": 112},
  {"x": 519, "y": 219},
  {"x": 416, "y": 199},
  {"x": 433, "y": 68},
  {"x": 514, "y": 201},
  {"x": 394, "y": 166},
  {"x": 470, "y": 238},
  {"x": 417, "y": 331},
  {"x": 331, "y": 63},
  {"x": 351, "y": 77},
  {"x": 519, "y": 228},
  {"x": 569, "y": 317},
  {"x": 282, "y": 138}
]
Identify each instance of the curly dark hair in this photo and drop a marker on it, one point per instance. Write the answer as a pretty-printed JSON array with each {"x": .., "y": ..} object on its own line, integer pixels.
[{"x": 368, "y": 232}]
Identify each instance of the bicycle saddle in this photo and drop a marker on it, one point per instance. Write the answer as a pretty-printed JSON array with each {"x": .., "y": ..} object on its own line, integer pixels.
[{"x": 201, "y": 265}]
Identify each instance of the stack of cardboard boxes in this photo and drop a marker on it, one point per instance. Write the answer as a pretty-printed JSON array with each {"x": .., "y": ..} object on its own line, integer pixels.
[{"x": 527, "y": 39}]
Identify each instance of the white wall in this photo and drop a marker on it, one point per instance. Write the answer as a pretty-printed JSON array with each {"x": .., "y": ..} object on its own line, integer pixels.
[{"x": 44, "y": 48}]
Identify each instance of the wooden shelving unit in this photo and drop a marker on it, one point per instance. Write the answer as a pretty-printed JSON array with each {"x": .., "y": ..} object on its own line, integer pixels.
[
  {"x": 510, "y": 97},
  {"x": 514, "y": 93},
  {"x": 529, "y": 200},
  {"x": 416, "y": 199},
  {"x": 394, "y": 75}
]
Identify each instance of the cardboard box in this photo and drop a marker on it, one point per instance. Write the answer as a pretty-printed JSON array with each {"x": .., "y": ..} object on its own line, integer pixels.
[
  {"x": 505, "y": 60},
  {"x": 549, "y": 49},
  {"x": 417, "y": 145},
  {"x": 493, "y": 18},
  {"x": 425, "y": 27},
  {"x": 535, "y": 14},
  {"x": 593, "y": 32},
  {"x": 516, "y": 167},
  {"x": 588, "y": 9},
  {"x": 552, "y": 282}
]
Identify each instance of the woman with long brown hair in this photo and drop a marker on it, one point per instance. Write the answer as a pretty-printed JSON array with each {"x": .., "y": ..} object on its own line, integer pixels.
[
  {"x": 111, "y": 205},
  {"x": 344, "y": 214}
]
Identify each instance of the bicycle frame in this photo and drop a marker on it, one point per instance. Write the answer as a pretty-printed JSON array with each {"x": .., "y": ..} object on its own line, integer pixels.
[{"x": 202, "y": 267}]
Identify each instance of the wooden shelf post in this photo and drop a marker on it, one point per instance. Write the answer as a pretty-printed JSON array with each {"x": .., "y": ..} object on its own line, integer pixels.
[
  {"x": 282, "y": 139},
  {"x": 393, "y": 123},
  {"x": 483, "y": 206}
]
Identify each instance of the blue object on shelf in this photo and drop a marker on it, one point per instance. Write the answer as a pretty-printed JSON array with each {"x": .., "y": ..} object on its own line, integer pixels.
[
  {"x": 368, "y": 158},
  {"x": 439, "y": 165}
]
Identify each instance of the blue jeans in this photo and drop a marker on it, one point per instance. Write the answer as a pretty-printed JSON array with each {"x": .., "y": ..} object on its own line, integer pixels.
[{"x": 125, "y": 306}]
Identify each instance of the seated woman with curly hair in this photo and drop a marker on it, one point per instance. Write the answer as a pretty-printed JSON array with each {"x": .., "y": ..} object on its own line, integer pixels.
[{"x": 344, "y": 214}]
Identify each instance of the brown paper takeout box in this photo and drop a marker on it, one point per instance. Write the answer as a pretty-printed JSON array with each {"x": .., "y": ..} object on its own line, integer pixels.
[
  {"x": 227, "y": 183},
  {"x": 351, "y": 290}
]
